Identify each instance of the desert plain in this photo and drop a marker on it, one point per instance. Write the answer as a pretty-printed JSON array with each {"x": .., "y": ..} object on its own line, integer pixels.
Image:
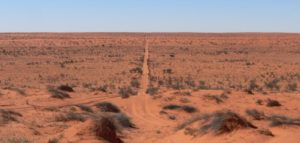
[{"x": 149, "y": 88}]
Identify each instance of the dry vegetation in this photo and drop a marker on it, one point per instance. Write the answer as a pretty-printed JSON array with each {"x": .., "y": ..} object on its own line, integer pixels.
[{"x": 95, "y": 88}]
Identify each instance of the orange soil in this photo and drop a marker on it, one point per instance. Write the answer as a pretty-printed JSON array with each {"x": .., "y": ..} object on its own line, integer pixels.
[{"x": 30, "y": 63}]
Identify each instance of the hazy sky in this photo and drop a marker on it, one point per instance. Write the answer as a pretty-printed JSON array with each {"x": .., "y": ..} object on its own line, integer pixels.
[{"x": 149, "y": 15}]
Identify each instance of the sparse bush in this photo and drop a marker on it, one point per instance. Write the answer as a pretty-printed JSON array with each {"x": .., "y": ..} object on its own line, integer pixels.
[
  {"x": 184, "y": 100},
  {"x": 259, "y": 101},
  {"x": 105, "y": 128},
  {"x": 167, "y": 71},
  {"x": 266, "y": 132},
  {"x": 190, "y": 82},
  {"x": 58, "y": 94},
  {"x": 217, "y": 98},
  {"x": 273, "y": 84},
  {"x": 14, "y": 140},
  {"x": 52, "y": 109},
  {"x": 187, "y": 93},
  {"x": 172, "y": 117},
  {"x": 249, "y": 91},
  {"x": 135, "y": 83},
  {"x": 85, "y": 108},
  {"x": 192, "y": 120},
  {"x": 171, "y": 107},
  {"x": 9, "y": 116},
  {"x": 256, "y": 115},
  {"x": 54, "y": 140},
  {"x": 18, "y": 90},
  {"x": 292, "y": 87},
  {"x": 224, "y": 95},
  {"x": 103, "y": 88},
  {"x": 65, "y": 88},
  {"x": 177, "y": 85},
  {"x": 125, "y": 92},
  {"x": 226, "y": 122},
  {"x": 137, "y": 70},
  {"x": 108, "y": 107},
  {"x": 152, "y": 90},
  {"x": 279, "y": 120},
  {"x": 70, "y": 116},
  {"x": 273, "y": 103},
  {"x": 252, "y": 85},
  {"x": 202, "y": 85},
  {"x": 123, "y": 121},
  {"x": 188, "y": 109}
]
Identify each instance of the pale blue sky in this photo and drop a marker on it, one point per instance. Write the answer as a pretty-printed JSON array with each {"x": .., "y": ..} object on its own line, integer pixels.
[{"x": 149, "y": 15}]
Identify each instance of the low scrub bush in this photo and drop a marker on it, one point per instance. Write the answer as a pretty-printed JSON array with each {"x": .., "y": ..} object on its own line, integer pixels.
[
  {"x": 273, "y": 103},
  {"x": 186, "y": 108},
  {"x": 55, "y": 93},
  {"x": 123, "y": 121},
  {"x": 85, "y": 108},
  {"x": 152, "y": 90},
  {"x": 70, "y": 117},
  {"x": 126, "y": 92},
  {"x": 219, "y": 122},
  {"x": 255, "y": 114},
  {"x": 292, "y": 87},
  {"x": 135, "y": 83},
  {"x": 226, "y": 122},
  {"x": 280, "y": 120},
  {"x": 108, "y": 107},
  {"x": 65, "y": 88},
  {"x": 14, "y": 140},
  {"x": 105, "y": 128},
  {"x": 217, "y": 98},
  {"x": 9, "y": 116}
]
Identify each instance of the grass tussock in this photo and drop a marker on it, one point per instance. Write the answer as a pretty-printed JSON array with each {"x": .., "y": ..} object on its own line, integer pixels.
[
  {"x": 280, "y": 120},
  {"x": 135, "y": 83},
  {"x": 70, "y": 116},
  {"x": 14, "y": 140},
  {"x": 217, "y": 98},
  {"x": 9, "y": 116},
  {"x": 108, "y": 126},
  {"x": 105, "y": 128},
  {"x": 292, "y": 87},
  {"x": 219, "y": 122},
  {"x": 255, "y": 114},
  {"x": 53, "y": 140},
  {"x": 186, "y": 108},
  {"x": 123, "y": 121},
  {"x": 226, "y": 122},
  {"x": 126, "y": 92},
  {"x": 273, "y": 103},
  {"x": 108, "y": 107},
  {"x": 85, "y": 108},
  {"x": 266, "y": 132},
  {"x": 18, "y": 90},
  {"x": 56, "y": 93},
  {"x": 152, "y": 90},
  {"x": 65, "y": 88}
]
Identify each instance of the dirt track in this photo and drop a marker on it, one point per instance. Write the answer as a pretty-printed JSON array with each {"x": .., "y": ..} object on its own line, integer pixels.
[{"x": 187, "y": 69}]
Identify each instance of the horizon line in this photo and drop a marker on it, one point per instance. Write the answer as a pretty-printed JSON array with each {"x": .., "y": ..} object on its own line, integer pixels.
[{"x": 151, "y": 32}]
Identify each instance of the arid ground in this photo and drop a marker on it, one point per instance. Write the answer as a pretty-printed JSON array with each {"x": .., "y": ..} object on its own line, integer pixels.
[{"x": 149, "y": 88}]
